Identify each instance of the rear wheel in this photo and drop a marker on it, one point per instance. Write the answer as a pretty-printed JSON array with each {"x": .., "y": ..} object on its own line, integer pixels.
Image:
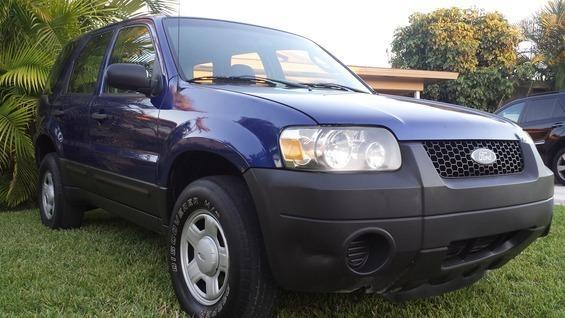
[
  {"x": 558, "y": 166},
  {"x": 216, "y": 261},
  {"x": 55, "y": 209}
]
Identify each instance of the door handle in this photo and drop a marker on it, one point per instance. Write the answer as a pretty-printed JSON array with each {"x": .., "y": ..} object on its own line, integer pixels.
[
  {"x": 99, "y": 116},
  {"x": 558, "y": 124}
]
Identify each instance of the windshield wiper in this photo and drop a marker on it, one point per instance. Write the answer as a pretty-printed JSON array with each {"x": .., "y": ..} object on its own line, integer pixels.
[
  {"x": 333, "y": 86},
  {"x": 249, "y": 79}
]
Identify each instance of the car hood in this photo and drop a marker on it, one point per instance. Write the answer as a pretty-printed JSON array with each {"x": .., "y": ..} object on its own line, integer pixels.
[{"x": 407, "y": 118}]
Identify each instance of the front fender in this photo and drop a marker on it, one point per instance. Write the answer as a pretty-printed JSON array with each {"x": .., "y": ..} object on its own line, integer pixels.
[{"x": 236, "y": 141}]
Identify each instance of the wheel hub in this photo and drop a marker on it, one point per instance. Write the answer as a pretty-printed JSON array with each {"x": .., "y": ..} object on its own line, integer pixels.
[
  {"x": 206, "y": 254},
  {"x": 48, "y": 195},
  {"x": 204, "y": 257}
]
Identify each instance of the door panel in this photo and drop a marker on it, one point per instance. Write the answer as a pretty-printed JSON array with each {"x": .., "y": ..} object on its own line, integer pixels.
[
  {"x": 71, "y": 110},
  {"x": 541, "y": 117},
  {"x": 124, "y": 136},
  {"x": 123, "y": 128}
]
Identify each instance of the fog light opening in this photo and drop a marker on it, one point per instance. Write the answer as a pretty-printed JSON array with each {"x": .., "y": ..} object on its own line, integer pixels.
[{"x": 367, "y": 252}]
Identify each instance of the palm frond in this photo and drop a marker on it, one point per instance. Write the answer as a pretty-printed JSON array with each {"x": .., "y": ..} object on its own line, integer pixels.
[
  {"x": 32, "y": 33},
  {"x": 16, "y": 114},
  {"x": 20, "y": 186},
  {"x": 25, "y": 65}
]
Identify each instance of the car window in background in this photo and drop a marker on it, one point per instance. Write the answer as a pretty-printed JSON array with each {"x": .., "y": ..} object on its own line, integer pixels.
[
  {"x": 513, "y": 112},
  {"x": 540, "y": 109},
  {"x": 87, "y": 66},
  {"x": 133, "y": 45},
  {"x": 559, "y": 110}
]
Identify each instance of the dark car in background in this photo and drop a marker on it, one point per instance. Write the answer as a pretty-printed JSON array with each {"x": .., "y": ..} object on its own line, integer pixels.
[{"x": 543, "y": 117}]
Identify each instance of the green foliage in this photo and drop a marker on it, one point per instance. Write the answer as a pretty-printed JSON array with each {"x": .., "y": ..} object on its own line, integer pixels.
[
  {"x": 112, "y": 268},
  {"x": 479, "y": 45},
  {"x": 547, "y": 32},
  {"x": 32, "y": 33}
]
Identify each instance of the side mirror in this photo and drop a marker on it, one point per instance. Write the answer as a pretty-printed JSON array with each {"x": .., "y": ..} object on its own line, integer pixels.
[{"x": 131, "y": 77}]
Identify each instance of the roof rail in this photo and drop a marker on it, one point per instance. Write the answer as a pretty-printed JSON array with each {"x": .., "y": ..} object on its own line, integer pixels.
[{"x": 547, "y": 93}]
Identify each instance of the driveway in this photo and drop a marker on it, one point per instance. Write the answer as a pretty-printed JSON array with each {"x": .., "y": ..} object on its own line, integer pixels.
[{"x": 559, "y": 197}]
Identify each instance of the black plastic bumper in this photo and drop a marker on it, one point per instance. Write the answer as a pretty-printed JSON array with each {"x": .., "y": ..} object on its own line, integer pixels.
[{"x": 430, "y": 230}]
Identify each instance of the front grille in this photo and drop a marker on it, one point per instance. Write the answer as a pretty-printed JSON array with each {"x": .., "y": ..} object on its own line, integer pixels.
[
  {"x": 357, "y": 253},
  {"x": 452, "y": 158},
  {"x": 459, "y": 251}
]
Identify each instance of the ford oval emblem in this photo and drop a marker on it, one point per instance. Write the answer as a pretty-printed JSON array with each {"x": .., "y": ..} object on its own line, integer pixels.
[{"x": 483, "y": 156}]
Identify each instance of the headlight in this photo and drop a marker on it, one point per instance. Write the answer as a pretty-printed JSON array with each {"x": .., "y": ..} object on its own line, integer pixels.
[{"x": 340, "y": 149}]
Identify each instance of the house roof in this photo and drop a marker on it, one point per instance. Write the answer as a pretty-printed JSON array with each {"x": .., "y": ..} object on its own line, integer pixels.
[{"x": 403, "y": 73}]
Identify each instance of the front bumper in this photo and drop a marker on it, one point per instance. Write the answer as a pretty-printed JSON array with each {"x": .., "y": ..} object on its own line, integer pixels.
[{"x": 429, "y": 231}]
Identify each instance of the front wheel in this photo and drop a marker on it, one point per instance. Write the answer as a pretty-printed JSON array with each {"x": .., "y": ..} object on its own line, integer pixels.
[
  {"x": 216, "y": 261},
  {"x": 558, "y": 166}
]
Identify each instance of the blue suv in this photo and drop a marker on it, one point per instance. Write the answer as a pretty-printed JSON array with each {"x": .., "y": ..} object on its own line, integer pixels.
[{"x": 269, "y": 164}]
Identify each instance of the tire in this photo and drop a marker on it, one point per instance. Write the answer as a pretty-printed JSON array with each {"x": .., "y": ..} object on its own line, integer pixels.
[
  {"x": 219, "y": 210},
  {"x": 54, "y": 208},
  {"x": 559, "y": 160}
]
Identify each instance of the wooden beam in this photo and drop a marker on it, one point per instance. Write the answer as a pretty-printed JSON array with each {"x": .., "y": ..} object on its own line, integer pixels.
[
  {"x": 364, "y": 71},
  {"x": 396, "y": 85}
]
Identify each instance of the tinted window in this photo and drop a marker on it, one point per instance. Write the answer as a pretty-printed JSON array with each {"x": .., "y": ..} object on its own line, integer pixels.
[
  {"x": 540, "y": 109},
  {"x": 87, "y": 65},
  {"x": 513, "y": 112},
  {"x": 57, "y": 75},
  {"x": 559, "y": 110},
  {"x": 133, "y": 45}
]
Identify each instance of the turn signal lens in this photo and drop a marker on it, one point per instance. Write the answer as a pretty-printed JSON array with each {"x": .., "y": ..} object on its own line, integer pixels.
[{"x": 292, "y": 149}]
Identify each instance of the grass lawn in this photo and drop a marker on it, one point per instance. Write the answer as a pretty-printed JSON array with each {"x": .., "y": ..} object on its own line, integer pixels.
[{"x": 112, "y": 268}]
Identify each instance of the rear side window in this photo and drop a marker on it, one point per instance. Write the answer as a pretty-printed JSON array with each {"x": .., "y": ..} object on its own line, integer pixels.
[
  {"x": 87, "y": 66},
  {"x": 559, "y": 109},
  {"x": 133, "y": 45},
  {"x": 57, "y": 75},
  {"x": 540, "y": 109},
  {"x": 513, "y": 112}
]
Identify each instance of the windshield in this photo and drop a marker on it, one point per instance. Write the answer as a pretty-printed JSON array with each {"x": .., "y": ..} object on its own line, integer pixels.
[{"x": 210, "y": 48}]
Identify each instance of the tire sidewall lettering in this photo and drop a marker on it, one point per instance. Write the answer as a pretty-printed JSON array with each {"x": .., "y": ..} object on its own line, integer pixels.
[{"x": 186, "y": 209}]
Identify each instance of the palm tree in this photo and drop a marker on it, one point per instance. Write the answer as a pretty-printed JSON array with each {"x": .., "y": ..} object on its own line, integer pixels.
[
  {"x": 32, "y": 33},
  {"x": 547, "y": 32}
]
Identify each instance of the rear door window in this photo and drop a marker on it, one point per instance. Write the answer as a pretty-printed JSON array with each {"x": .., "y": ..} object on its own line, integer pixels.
[
  {"x": 59, "y": 72},
  {"x": 540, "y": 109},
  {"x": 559, "y": 110},
  {"x": 87, "y": 66}
]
